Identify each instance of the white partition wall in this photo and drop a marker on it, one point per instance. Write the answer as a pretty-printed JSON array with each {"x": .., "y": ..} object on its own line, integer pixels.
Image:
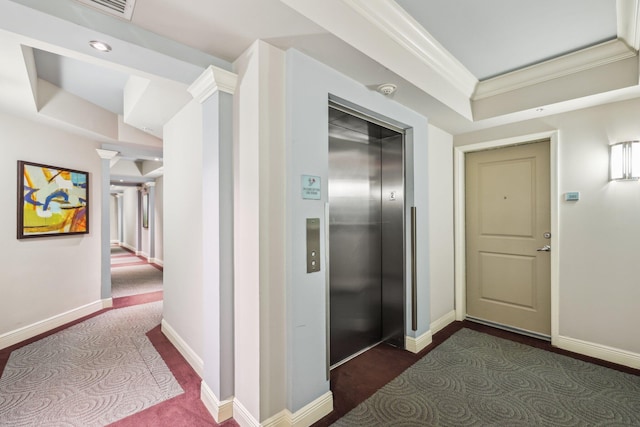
[
  {"x": 159, "y": 218},
  {"x": 182, "y": 313},
  {"x": 47, "y": 281}
]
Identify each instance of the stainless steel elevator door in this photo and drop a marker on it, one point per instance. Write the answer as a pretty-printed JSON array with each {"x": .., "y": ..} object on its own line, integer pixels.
[{"x": 366, "y": 235}]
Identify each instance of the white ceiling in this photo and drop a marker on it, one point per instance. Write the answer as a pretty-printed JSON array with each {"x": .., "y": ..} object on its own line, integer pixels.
[
  {"x": 493, "y": 37},
  {"x": 440, "y": 53},
  {"x": 99, "y": 85},
  {"x": 222, "y": 28}
]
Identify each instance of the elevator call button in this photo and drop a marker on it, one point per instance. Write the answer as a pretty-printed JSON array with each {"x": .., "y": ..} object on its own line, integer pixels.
[{"x": 313, "y": 245}]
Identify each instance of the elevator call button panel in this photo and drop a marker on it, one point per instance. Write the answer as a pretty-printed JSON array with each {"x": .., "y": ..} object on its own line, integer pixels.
[{"x": 313, "y": 245}]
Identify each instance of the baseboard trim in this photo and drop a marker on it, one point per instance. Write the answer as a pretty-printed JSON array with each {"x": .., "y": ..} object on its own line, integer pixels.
[
  {"x": 305, "y": 416},
  {"x": 107, "y": 303},
  {"x": 14, "y": 337},
  {"x": 281, "y": 419},
  {"x": 126, "y": 246},
  {"x": 242, "y": 416},
  {"x": 439, "y": 324},
  {"x": 143, "y": 255},
  {"x": 190, "y": 356},
  {"x": 599, "y": 351},
  {"x": 220, "y": 410},
  {"x": 313, "y": 411},
  {"x": 415, "y": 345},
  {"x": 157, "y": 261}
]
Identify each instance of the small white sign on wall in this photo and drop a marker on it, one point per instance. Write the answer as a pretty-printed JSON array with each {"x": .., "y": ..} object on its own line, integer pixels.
[{"x": 311, "y": 189}]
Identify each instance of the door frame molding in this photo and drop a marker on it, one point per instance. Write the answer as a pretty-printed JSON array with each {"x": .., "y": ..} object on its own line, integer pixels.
[{"x": 460, "y": 285}]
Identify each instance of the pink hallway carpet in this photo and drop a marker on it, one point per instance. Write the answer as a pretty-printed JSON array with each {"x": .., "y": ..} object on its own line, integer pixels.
[
  {"x": 123, "y": 257},
  {"x": 183, "y": 410}
]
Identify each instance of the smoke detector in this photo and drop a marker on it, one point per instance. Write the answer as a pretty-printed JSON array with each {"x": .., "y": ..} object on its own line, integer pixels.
[{"x": 387, "y": 89}]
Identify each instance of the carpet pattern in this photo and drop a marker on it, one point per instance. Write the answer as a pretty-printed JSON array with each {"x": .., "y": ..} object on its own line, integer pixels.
[
  {"x": 480, "y": 380},
  {"x": 123, "y": 257},
  {"x": 122, "y": 260},
  {"x": 90, "y": 374},
  {"x": 135, "y": 280},
  {"x": 119, "y": 250}
]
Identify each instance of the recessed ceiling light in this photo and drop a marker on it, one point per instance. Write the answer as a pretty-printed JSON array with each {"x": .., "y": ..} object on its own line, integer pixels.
[
  {"x": 157, "y": 159},
  {"x": 122, "y": 180},
  {"x": 540, "y": 110},
  {"x": 101, "y": 46}
]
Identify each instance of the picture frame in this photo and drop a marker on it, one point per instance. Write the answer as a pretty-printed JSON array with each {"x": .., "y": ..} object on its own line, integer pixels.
[{"x": 52, "y": 201}]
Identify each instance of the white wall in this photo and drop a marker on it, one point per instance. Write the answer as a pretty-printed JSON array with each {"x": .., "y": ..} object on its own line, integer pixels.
[
  {"x": 247, "y": 232},
  {"x": 130, "y": 218},
  {"x": 44, "y": 277},
  {"x": 309, "y": 84},
  {"x": 259, "y": 239},
  {"x": 159, "y": 215},
  {"x": 265, "y": 171},
  {"x": 441, "y": 242},
  {"x": 599, "y": 285},
  {"x": 182, "y": 214}
]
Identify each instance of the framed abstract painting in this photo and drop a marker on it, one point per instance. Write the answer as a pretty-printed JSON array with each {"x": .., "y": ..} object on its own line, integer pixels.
[{"x": 52, "y": 201}]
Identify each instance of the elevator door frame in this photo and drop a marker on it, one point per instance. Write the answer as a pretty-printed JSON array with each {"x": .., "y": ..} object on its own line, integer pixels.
[{"x": 399, "y": 336}]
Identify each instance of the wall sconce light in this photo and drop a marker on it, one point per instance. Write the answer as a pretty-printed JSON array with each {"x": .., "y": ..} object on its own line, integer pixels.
[{"x": 625, "y": 161}]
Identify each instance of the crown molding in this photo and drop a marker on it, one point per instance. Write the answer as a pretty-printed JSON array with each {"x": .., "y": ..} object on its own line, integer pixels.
[
  {"x": 628, "y": 16},
  {"x": 213, "y": 79},
  {"x": 585, "y": 59},
  {"x": 393, "y": 20}
]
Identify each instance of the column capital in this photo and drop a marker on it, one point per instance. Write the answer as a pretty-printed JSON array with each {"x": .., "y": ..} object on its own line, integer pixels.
[
  {"x": 149, "y": 184},
  {"x": 213, "y": 79},
  {"x": 106, "y": 154}
]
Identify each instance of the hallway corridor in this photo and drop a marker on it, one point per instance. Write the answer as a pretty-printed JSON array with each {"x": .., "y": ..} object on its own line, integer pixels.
[
  {"x": 114, "y": 367},
  {"x": 133, "y": 275}
]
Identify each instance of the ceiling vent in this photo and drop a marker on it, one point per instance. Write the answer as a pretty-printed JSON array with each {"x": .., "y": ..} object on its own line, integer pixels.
[{"x": 120, "y": 8}]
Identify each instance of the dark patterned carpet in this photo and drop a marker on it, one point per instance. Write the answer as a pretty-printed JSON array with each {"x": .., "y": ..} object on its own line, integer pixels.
[{"x": 474, "y": 379}]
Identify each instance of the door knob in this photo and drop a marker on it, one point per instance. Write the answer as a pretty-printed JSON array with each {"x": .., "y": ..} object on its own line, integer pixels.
[{"x": 545, "y": 248}]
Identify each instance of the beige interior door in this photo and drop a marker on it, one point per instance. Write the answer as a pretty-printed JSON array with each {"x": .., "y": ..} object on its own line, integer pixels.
[{"x": 507, "y": 216}]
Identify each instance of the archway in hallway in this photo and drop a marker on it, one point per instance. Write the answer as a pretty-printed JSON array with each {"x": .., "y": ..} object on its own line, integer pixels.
[{"x": 135, "y": 270}]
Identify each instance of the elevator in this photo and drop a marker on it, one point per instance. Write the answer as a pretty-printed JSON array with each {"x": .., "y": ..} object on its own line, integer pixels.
[{"x": 366, "y": 234}]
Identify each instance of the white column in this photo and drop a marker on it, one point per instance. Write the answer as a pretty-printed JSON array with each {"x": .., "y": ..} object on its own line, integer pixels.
[
  {"x": 105, "y": 234},
  {"x": 214, "y": 90},
  {"x": 139, "y": 251},
  {"x": 151, "y": 212},
  {"x": 262, "y": 331},
  {"x": 119, "y": 200}
]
